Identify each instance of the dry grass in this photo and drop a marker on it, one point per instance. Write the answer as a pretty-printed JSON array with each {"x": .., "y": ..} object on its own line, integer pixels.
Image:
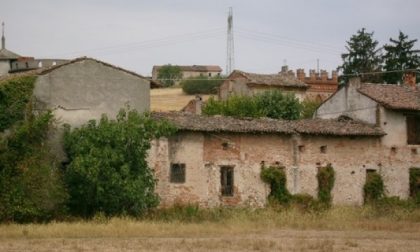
[
  {"x": 233, "y": 221},
  {"x": 169, "y": 99},
  {"x": 338, "y": 229}
]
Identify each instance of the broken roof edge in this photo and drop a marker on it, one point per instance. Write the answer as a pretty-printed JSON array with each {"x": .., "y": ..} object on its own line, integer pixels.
[{"x": 332, "y": 127}]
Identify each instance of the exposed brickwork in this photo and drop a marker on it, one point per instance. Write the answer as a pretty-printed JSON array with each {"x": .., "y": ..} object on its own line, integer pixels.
[{"x": 205, "y": 153}]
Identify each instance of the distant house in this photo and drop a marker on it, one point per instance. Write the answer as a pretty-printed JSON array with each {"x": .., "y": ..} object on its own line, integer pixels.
[
  {"x": 6, "y": 57},
  {"x": 11, "y": 62},
  {"x": 193, "y": 71},
  {"x": 321, "y": 86},
  {"x": 243, "y": 83}
]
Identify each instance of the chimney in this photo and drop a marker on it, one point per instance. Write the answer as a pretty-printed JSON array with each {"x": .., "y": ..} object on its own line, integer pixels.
[
  {"x": 198, "y": 104},
  {"x": 409, "y": 79}
]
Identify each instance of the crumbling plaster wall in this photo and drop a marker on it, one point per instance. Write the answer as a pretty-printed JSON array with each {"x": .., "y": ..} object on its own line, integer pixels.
[
  {"x": 348, "y": 101},
  {"x": 205, "y": 153},
  {"x": 87, "y": 89}
]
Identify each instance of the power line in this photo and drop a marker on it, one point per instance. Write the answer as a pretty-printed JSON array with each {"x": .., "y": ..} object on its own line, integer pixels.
[{"x": 152, "y": 42}]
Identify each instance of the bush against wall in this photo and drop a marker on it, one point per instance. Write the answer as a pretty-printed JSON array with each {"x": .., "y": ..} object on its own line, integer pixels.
[
  {"x": 272, "y": 104},
  {"x": 201, "y": 85},
  {"x": 14, "y": 96},
  {"x": 309, "y": 107},
  {"x": 107, "y": 170},
  {"x": 276, "y": 178},
  {"x": 415, "y": 184},
  {"x": 31, "y": 187},
  {"x": 326, "y": 179},
  {"x": 374, "y": 187}
]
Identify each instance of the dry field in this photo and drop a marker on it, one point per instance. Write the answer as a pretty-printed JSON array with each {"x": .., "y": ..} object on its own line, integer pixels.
[
  {"x": 340, "y": 229},
  {"x": 169, "y": 99}
]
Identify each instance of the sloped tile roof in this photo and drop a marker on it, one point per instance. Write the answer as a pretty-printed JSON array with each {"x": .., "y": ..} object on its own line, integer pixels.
[
  {"x": 6, "y": 54},
  {"x": 280, "y": 79},
  {"x": 196, "y": 68},
  {"x": 397, "y": 97},
  {"x": 200, "y": 123}
]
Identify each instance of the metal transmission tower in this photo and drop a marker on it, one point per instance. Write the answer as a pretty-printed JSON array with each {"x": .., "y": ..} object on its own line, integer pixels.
[{"x": 230, "y": 59}]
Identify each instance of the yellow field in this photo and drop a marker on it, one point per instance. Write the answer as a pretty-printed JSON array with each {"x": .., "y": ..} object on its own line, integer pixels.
[{"x": 170, "y": 99}]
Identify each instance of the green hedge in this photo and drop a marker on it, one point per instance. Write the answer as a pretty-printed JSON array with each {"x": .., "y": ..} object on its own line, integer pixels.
[{"x": 201, "y": 85}]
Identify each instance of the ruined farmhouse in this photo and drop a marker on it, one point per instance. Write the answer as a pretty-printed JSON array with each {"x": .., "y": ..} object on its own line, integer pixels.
[{"x": 362, "y": 128}]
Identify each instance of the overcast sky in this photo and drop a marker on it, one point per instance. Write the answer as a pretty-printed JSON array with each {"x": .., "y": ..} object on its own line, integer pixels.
[{"x": 137, "y": 34}]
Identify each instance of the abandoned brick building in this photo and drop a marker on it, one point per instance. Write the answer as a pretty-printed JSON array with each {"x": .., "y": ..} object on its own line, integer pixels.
[
  {"x": 217, "y": 160},
  {"x": 316, "y": 86},
  {"x": 243, "y": 83}
]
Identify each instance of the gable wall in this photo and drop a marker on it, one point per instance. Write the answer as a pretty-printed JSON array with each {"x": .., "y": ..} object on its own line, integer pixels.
[
  {"x": 87, "y": 89},
  {"x": 348, "y": 101}
]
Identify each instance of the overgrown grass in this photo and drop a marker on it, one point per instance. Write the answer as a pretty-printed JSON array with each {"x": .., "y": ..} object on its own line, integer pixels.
[{"x": 190, "y": 221}]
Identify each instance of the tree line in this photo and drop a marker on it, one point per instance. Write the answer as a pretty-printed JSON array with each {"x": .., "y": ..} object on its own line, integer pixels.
[{"x": 372, "y": 63}]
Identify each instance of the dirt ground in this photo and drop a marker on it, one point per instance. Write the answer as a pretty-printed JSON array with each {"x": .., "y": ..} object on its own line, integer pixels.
[
  {"x": 169, "y": 99},
  {"x": 270, "y": 240}
]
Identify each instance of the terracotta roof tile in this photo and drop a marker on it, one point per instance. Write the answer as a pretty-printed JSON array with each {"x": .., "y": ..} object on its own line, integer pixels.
[
  {"x": 339, "y": 127},
  {"x": 398, "y": 97},
  {"x": 280, "y": 79},
  {"x": 196, "y": 68}
]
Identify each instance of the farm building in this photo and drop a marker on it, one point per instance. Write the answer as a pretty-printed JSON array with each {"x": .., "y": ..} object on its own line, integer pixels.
[{"x": 216, "y": 160}]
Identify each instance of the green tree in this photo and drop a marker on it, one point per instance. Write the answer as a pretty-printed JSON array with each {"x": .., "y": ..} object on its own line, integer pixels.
[
  {"x": 363, "y": 56},
  {"x": 108, "y": 171},
  {"x": 273, "y": 104},
  {"x": 168, "y": 74},
  {"x": 400, "y": 55},
  {"x": 201, "y": 85}
]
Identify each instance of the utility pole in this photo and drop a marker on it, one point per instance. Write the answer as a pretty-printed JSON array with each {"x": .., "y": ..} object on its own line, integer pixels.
[{"x": 230, "y": 57}]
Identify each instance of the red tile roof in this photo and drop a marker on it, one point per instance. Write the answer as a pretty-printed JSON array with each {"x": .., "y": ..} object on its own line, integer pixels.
[
  {"x": 391, "y": 96},
  {"x": 280, "y": 79},
  {"x": 200, "y": 123}
]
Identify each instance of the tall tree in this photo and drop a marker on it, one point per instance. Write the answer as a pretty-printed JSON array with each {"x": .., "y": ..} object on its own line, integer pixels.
[
  {"x": 400, "y": 55},
  {"x": 168, "y": 74},
  {"x": 363, "y": 56}
]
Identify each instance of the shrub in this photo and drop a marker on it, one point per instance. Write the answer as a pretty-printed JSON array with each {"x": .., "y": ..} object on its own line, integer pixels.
[
  {"x": 309, "y": 107},
  {"x": 201, "y": 85},
  {"x": 275, "y": 104},
  {"x": 272, "y": 104},
  {"x": 373, "y": 188},
  {"x": 305, "y": 202},
  {"x": 326, "y": 179},
  {"x": 108, "y": 171},
  {"x": 276, "y": 178},
  {"x": 31, "y": 187}
]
